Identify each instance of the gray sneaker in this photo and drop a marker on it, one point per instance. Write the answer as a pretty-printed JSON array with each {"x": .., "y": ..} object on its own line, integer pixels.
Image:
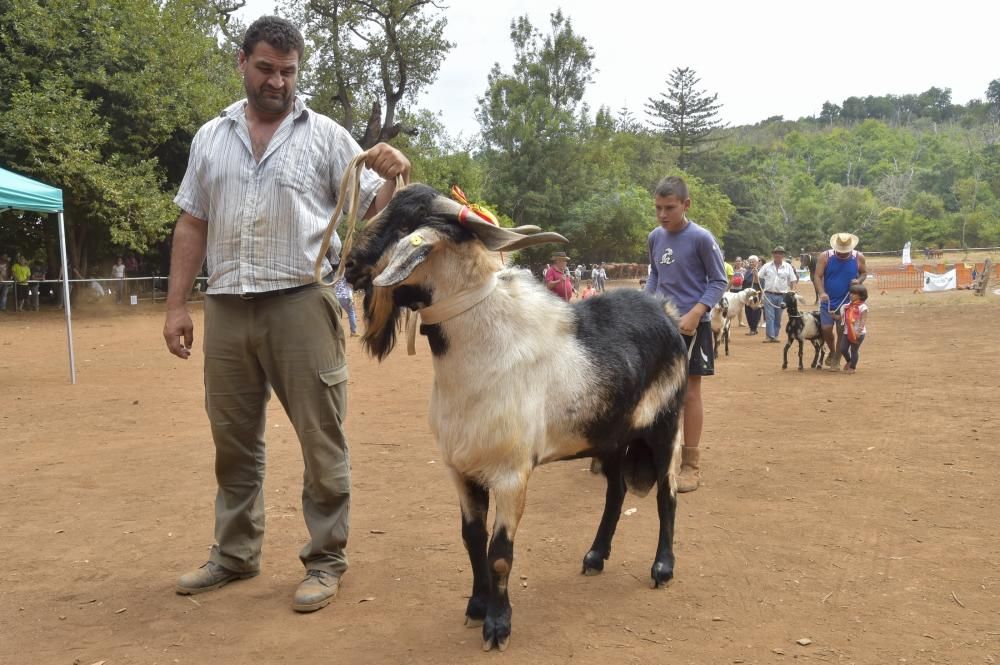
[
  {"x": 209, "y": 577},
  {"x": 833, "y": 363}
]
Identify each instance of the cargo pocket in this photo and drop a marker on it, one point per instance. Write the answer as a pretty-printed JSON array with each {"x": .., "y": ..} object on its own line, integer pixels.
[{"x": 334, "y": 399}]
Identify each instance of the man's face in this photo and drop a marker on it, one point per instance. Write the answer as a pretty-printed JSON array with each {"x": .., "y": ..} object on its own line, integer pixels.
[
  {"x": 269, "y": 78},
  {"x": 778, "y": 258},
  {"x": 561, "y": 264},
  {"x": 670, "y": 210}
]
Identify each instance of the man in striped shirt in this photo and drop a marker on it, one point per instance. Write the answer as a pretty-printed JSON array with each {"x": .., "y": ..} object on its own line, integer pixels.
[{"x": 260, "y": 187}]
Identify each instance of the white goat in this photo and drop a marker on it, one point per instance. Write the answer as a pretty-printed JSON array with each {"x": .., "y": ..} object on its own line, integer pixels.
[
  {"x": 504, "y": 350},
  {"x": 729, "y": 307}
]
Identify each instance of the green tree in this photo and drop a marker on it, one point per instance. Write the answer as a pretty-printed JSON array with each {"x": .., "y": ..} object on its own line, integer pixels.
[
  {"x": 368, "y": 58},
  {"x": 440, "y": 160},
  {"x": 102, "y": 101},
  {"x": 710, "y": 207},
  {"x": 612, "y": 224},
  {"x": 893, "y": 230},
  {"x": 532, "y": 121},
  {"x": 686, "y": 116}
]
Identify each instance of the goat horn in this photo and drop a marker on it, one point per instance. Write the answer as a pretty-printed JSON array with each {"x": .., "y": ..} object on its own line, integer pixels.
[{"x": 496, "y": 238}]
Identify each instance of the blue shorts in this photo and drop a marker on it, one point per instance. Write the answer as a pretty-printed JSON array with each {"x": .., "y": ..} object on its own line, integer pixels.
[{"x": 826, "y": 314}]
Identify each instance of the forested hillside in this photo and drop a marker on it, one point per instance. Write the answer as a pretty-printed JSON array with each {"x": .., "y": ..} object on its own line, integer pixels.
[{"x": 103, "y": 101}]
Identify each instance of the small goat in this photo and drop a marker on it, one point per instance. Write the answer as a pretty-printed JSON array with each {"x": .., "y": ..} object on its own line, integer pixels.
[
  {"x": 727, "y": 310},
  {"x": 502, "y": 358},
  {"x": 801, "y": 327}
]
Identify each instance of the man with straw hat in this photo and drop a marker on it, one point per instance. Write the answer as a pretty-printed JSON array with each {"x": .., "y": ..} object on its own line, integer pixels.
[
  {"x": 836, "y": 270},
  {"x": 557, "y": 278},
  {"x": 778, "y": 277}
]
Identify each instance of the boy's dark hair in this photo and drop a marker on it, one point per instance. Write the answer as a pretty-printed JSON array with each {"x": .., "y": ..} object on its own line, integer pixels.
[
  {"x": 673, "y": 186},
  {"x": 276, "y": 31},
  {"x": 860, "y": 290}
]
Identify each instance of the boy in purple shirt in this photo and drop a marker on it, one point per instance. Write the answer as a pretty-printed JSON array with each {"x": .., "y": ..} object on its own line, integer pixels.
[{"x": 687, "y": 269}]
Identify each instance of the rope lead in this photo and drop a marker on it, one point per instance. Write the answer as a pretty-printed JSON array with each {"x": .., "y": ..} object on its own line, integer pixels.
[{"x": 350, "y": 183}]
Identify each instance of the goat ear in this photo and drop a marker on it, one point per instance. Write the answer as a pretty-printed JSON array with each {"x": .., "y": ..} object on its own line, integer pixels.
[
  {"x": 408, "y": 253},
  {"x": 496, "y": 238}
]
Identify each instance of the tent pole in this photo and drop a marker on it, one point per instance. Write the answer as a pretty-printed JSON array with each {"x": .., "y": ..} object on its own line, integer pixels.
[{"x": 65, "y": 299}]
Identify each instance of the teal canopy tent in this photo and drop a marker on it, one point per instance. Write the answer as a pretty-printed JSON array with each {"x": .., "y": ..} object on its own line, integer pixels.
[{"x": 20, "y": 193}]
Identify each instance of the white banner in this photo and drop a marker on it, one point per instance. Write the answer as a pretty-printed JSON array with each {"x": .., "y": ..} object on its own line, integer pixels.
[
  {"x": 906, "y": 254},
  {"x": 943, "y": 282}
]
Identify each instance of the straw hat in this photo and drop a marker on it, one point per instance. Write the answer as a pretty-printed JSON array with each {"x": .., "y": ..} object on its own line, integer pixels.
[
  {"x": 843, "y": 242},
  {"x": 558, "y": 255}
]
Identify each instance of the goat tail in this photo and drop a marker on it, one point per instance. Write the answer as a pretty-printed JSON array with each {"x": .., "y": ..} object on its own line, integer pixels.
[{"x": 639, "y": 468}]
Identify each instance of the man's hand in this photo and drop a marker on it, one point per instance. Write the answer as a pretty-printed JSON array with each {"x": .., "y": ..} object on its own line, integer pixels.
[
  {"x": 177, "y": 326},
  {"x": 387, "y": 162},
  {"x": 689, "y": 322},
  {"x": 823, "y": 297}
]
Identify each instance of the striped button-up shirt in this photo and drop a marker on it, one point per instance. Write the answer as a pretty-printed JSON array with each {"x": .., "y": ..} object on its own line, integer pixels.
[{"x": 266, "y": 219}]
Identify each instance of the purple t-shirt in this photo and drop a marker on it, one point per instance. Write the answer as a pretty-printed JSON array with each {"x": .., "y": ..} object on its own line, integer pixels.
[{"x": 686, "y": 267}]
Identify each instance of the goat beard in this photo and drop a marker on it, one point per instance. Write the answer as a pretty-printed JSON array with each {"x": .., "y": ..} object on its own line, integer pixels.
[{"x": 381, "y": 317}]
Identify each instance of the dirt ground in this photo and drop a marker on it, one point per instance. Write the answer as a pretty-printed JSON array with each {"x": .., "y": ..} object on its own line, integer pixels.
[{"x": 856, "y": 512}]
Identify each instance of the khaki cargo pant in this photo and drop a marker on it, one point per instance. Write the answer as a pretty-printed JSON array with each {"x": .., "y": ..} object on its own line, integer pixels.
[{"x": 293, "y": 344}]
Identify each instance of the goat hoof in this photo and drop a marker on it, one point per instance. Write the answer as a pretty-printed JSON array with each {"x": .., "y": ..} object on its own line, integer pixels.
[
  {"x": 593, "y": 563},
  {"x": 662, "y": 574},
  {"x": 475, "y": 611},
  {"x": 496, "y": 630}
]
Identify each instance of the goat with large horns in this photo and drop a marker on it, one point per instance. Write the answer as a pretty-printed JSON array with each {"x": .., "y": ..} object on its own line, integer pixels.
[{"x": 504, "y": 351}]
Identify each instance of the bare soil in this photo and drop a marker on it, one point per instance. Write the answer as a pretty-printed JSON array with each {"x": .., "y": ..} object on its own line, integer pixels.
[{"x": 858, "y": 512}]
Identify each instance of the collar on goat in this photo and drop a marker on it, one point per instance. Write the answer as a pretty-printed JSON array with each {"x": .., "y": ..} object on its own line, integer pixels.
[{"x": 447, "y": 308}]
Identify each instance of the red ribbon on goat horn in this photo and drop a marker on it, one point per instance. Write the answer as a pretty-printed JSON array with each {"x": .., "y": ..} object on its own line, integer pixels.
[{"x": 471, "y": 208}]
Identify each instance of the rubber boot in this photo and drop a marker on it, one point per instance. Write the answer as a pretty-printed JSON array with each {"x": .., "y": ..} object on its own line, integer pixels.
[{"x": 690, "y": 476}]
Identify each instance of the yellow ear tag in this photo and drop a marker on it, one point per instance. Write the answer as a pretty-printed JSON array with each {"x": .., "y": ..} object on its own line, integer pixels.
[{"x": 416, "y": 241}]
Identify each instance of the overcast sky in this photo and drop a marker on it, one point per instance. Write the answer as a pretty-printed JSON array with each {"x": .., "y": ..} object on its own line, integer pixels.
[{"x": 764, "y": 58}]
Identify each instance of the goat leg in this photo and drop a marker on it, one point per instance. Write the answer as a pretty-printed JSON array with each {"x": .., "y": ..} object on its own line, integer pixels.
[
  {"x": 784, "y": 363},
  {"x": 475, "y": 502},
  {"x": 510, "y": 505},
  {"x": 800, "y": 353},
  {"x": 662, "y": 571},
  {"x": 593, "y": 562}
]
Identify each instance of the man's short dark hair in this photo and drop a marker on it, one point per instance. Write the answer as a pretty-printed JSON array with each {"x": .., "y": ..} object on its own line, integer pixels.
[
  {"x": 280, "y": 33},
  {"x": 673, "y": 186},
  {"x": 860, "y": 290}
]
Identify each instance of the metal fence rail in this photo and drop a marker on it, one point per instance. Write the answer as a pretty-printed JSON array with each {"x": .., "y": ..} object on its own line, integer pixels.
[{"x": 97, "y": 290}]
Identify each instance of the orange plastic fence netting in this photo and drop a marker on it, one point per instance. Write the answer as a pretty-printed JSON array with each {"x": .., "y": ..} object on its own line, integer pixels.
[{"x": 912, "y": 276}]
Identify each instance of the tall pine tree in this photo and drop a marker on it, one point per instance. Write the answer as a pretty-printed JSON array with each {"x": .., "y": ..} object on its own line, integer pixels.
[{"x": 684, "y": 114}]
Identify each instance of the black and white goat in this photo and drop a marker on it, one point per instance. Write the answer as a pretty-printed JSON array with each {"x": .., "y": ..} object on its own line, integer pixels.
[
  {"x": 727, "y": 310},
  {"x": 503, "y": 351},
  {"x": 801, "y": 327}
]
